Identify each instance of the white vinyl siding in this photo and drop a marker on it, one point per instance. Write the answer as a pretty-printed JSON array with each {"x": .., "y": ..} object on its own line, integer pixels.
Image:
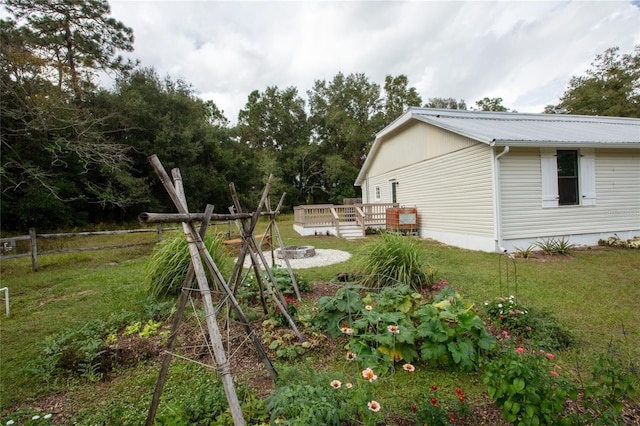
[
  {"x": 453, "y": 192},
  {"x": 616, "y": 181},
  {"x": 416, "y": 143}
]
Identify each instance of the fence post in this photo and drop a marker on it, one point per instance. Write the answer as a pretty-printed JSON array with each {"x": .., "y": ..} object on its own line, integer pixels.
[
  {"x": 34, "y": 249},
  {"x": 159, "y": 228},
  {"x": 6, "y": 298}
]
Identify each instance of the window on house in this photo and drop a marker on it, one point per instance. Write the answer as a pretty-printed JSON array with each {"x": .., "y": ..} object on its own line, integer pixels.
[
  {"x": 568, "y": 177},
  {"x": 377, "y": 192}
]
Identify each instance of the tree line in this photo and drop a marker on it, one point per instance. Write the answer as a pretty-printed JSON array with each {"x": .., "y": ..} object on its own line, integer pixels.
[{"x": 75, "y": 153}]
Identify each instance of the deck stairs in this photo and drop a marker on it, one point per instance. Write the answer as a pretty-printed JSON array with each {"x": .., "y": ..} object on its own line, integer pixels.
[{"x": 350, "y": 231}]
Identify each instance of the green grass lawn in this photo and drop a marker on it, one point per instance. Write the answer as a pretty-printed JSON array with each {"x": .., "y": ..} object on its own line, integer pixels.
[{"x": 593, "y": 293}]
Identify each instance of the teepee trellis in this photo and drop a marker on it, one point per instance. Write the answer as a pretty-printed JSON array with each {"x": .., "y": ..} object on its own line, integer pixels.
[{"x": 199, "y": 253}]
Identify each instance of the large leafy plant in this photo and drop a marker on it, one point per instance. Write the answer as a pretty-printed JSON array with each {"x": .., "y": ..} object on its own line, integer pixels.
[
  {"x": 396, "y": 324},
  {"x": 452, "y": 331}
]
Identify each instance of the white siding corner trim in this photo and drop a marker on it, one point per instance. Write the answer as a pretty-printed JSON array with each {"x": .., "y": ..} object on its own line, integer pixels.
[{"x": 549, "y": 174}]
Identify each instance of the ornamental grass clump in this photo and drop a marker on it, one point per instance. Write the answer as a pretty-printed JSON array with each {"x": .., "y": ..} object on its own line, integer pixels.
[
  {"x": 169, "y": 263},
  {"x": 392, "y": 260}
]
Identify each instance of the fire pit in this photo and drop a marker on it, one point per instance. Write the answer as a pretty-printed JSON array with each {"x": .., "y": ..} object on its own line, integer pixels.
[{"x": 296, "y": 252}]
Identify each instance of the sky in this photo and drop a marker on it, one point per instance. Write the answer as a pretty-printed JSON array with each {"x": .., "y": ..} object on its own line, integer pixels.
[{"x": 524, "y": 52}]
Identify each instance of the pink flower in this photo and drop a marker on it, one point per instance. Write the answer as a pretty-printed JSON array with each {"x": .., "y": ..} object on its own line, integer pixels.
[
  {"x": 520, "y": 350},
  {"x": 409, "y": 367},
  {"x": 550, "y": 356},
  {"x": 347, "y": 330},
  {"x": 369, "y": 375},
  {"x": 368, "y": 307},
  {"x": 351, "y": 356},
  {"x": 374, "y": 406},
  {"x": 554, "y": 373},
  {"x": 336, "y": 384},
  {"x": 393, "y": 329},
  {"x": 348, "y": 386}
]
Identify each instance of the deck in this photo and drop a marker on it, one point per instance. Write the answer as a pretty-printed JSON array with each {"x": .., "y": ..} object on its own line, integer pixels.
[{"x": 343, "y": 221}]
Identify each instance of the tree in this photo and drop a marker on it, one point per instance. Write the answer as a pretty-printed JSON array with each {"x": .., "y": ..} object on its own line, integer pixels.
[
  {"x": 74, "y": 38},
  {"x": 490, "y": 104},
  {"x": 611, "y": 87},
  {"x": 165, "y": 118},
  {"x": 446, "y": 103},
  {"x": 56, "y": 158},
  {"x": 398, "y": 97},
  {"x": 346, "y": 113},
  {"x": 274, "y": 123}
]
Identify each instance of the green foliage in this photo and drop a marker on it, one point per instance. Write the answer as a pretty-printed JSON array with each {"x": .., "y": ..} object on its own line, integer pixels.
[
  {"x": 332, "y": 310},
  {"x": 436, "y": 411},
  {"x": 249, "y": 290},
  {"x": 491, "y": 104},
  {"x": 396, "y": 325},
  {"x": 85, "y": 351},
  {"x": 528, "y": 387},
  {"x": 610, "y": 87},
  {"x": 394, "y": 259},
  {"x": 551, "y": 246},
  {"x": 322, "y": 400},
  {"x": 535, "y": 324},
  {"x": 209, "y": 406},
  {"x": 80, "y": 351},
  {"x": 524, "y": 253},
  {"x": 613, "y": 380},
  {"x": 291, "y": 308},
  {"x": 168, "y": 264},
  {"x": 453, "y": 333}
]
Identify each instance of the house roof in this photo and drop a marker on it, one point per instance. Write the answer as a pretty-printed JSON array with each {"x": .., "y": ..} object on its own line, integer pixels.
[{"x": 520, "y": 129}]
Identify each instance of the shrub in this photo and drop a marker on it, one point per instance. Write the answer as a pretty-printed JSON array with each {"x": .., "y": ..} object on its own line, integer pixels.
[
  {"x": 392, "y": 260},
  {"x": 325, "y": 400},
  {"x": 170, "y": 260},
  {"x": 537, "y": 325},
  {"x": 397, "y": 325},
  {"x": 528, "y": 387},
  {"x": 453, "y": 333}
]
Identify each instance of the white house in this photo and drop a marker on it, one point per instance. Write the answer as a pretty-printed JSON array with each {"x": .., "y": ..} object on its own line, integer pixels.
[{"x": 491, "y": 180}]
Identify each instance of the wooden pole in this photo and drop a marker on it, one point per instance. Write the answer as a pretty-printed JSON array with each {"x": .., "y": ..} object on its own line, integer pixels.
[
  {"x": 34, "y": 249},
  {"x": 254, "y": 249},
  {"x": 210, "y": 313},
  {"x": 177, "y": 319},
  {"x": 155, "y": 162}
]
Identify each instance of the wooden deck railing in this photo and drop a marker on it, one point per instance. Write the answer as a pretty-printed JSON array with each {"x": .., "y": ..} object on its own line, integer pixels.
[{"x": 372, "y": 214}]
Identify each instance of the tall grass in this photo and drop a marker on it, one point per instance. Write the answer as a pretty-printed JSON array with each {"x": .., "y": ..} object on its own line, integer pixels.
[
  {"x": 393, "y": 259},
  {"x": 169, "y": 262}
]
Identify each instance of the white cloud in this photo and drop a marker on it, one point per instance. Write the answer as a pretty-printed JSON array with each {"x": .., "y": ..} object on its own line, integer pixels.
[{"x": 524, "y": 52}]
